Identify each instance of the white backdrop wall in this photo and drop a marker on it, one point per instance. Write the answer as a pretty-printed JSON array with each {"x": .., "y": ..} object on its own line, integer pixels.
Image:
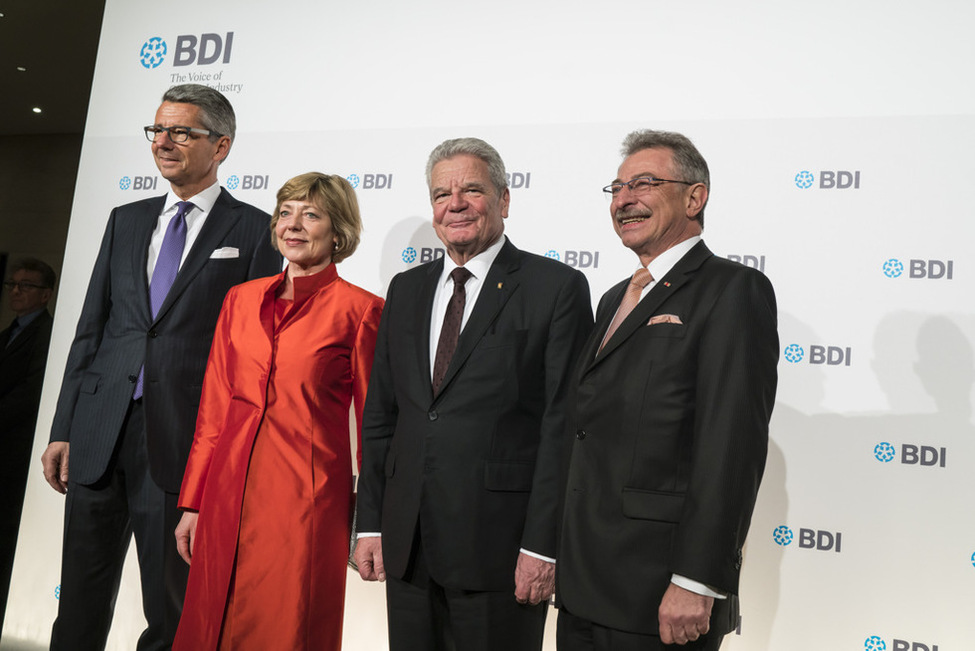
[{"x": 863, "y": 536}]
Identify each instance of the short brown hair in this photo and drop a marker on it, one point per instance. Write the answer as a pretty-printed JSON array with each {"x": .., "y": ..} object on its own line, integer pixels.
[{"x": 335, "y": 196}]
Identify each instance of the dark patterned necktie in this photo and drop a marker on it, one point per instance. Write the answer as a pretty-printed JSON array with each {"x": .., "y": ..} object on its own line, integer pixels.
[
  {"x": 451, "y": 327},
  {"x": 167, "y": 264},
  {"x": 640, "y": 279}
]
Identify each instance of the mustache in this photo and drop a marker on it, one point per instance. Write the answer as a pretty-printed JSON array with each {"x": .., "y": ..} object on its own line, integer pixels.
[{"x": 629, "y": 214}]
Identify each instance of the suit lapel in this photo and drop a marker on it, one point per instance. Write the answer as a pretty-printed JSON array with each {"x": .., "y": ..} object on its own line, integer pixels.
[
  {"x": 666, "y": 287},
  {"x": 145, "y": 225},
  {"x": 29, "y": 331},
  {"x": 498, "y": 286},
  {"x": 219, "y": 222}
]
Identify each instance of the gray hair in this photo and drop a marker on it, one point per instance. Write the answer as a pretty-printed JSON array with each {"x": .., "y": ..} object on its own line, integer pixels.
[
  {"x": 689, "y": 163},
  {"x": 216, "y": 113},
  {"x": 472, "y": 147}
]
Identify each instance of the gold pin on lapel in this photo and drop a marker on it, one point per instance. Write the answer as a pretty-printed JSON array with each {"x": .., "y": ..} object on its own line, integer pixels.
[
  {"x": 500, "y": 285},
  {"x": 666, "y": 284}
]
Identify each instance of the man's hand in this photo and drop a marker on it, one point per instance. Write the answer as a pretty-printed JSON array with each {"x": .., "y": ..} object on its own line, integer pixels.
[
  {"x": 369, "y": 558},
  {"x": 186, "y": 535},
  {"x": 55, "y": 463},
  {"x": 684, "y": 616},
  {"x": 534, "y": 579}
]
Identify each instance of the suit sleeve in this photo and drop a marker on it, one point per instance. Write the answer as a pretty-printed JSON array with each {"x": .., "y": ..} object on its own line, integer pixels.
[
  {"x": 214, "y": 404},
  {"x": 363, "y": 353},
  {"x": 570, "y": 325},
  {"x": 88, "y": 335},
  {"x": 735, "y": 390},
  {"x": 378, "y": 422}
]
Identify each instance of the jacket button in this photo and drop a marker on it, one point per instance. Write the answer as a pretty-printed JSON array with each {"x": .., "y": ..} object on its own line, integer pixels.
[
  {"x": 581, "y": 434},
  {"x": 153, "y": 334},
  {"x": 432, "y": 414},
  {"x": 133, "y": 378}
]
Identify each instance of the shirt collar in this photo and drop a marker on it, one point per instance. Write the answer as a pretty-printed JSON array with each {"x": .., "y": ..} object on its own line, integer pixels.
[
  {"x": 203, "y": 200},
  {"x": 663, "y": 263},
  {"x": 478, "y": 265}
]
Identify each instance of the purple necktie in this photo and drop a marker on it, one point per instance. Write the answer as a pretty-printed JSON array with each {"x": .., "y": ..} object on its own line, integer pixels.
[
  {"x": 167, "y": 264},
  {"x": 450, "y": 332}
]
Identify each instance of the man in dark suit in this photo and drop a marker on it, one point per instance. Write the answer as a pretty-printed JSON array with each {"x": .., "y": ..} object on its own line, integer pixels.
[
  {"x": 132, "y": 382},
  {"x": 462, "y": 437},
  {"x": 23, "y": 356},
  {"x": 669, "y": 409}
]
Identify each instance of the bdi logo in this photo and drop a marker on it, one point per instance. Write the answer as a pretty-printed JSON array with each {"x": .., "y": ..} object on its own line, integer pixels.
[
  {"x": 876, "y": 643},
  {"x": 577, "y": 259},
  {"x": 917, "y": 268},
  {"x": 817, "y": 539},
  {"x": 829, "y": 180},
  {"x": 519, "y": 180},
  {"x": 828, "y": 355},
  {"x": 207, "y": 49},
  {"x": 371, "y": 181},
  {"x": 426, "y": 254},
  {"x": 912, "y": 455},
  {"x": 753, "y": 261},
  {"x": 249, "y": 182},
  {"x": 210, "y": 48},
  {"x": 138, "y": 182}
]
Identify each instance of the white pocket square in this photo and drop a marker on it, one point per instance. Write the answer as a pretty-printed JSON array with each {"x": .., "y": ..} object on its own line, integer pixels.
[
  {"x": 225, "y": 252},
  {"x": 665, "y": 318}
]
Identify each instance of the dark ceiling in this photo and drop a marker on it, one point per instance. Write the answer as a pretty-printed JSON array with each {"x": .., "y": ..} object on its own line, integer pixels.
[{"x": 56, "y": 41}]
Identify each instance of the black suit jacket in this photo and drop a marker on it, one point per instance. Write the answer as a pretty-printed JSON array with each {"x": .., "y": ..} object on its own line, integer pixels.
[
  {"x": 671, "y": 431},
  {"x": 477, "y": 467},
  {"x": 21, "y": 378},
  {"x": 116, "y": 335}
]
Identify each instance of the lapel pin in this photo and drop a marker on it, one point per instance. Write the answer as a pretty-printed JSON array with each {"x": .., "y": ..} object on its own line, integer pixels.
[
  {"x": 666, "y": 284},
  {"x": 500, "y": 285}
]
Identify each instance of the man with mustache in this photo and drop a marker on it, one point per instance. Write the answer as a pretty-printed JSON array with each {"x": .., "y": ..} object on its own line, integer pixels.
[{"x": 669, "y": 410}]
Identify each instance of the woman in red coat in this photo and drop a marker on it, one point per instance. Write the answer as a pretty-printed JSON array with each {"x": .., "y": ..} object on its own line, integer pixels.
[{"x": 268, "y": 486}]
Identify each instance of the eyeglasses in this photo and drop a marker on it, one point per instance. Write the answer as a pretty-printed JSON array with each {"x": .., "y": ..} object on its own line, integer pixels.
[
  {"x": 22, "y": 286},
  {"x": 640, "y": 185},
  {"x": 176, "y": 134}
]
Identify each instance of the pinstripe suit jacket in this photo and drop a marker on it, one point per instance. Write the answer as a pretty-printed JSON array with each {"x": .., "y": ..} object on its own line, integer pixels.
[
  {"x": 669, "y": 423},
  {"x": 116, "y": 335}
]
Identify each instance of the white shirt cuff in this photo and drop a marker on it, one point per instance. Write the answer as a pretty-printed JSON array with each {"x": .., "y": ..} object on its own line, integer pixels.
[
  {"x": 696, "y": 587},
  {"x": 368, "y": 534},
  {"x": 538, "y": 556}
]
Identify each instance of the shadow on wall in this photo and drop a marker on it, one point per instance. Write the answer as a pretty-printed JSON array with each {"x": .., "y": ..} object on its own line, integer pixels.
[
  {"x": 21, "y": 645},
  {"x": 409, "y": 233}
]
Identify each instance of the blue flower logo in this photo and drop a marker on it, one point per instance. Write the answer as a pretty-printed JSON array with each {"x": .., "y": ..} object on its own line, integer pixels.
[
  {"x": 57, "y": 592},
  {"x": 782, "y": 535},
  {"x": 153, "y": 53},
  {"x": 893, "y": 268},
  {"x": 409, "y": 254},
  {"x": 874, "y": 643},
  {"x": 794, "y": 353},
  {"x": 552, "y": 253},
  {"x": 884, "y": 452},
  {"x": 125, "y": 183},
  {"x": 353, "y": 180},
  {"x": 233, "y": 182},
  {"x": 804, "y": 179}
]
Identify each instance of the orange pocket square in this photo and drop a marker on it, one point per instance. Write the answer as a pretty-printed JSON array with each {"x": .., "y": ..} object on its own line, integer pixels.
[{"x": 664, "y": 318}]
